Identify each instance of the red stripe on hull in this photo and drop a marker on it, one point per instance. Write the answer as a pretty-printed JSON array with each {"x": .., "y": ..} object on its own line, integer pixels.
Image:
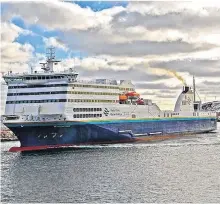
[
  {"x": 50, "y": 147},
  {"x": 61, "y": 146}
]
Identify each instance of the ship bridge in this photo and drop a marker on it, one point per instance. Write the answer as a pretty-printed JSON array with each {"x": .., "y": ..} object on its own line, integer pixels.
[
  {"x": 39, "y": 77},
  {"x": 42, "y": 76}
]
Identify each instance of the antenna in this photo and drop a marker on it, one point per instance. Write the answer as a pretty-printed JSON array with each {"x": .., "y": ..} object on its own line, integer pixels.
[
  {"x": 50, "y": 52},
  {"x": 194, "y": 89},
  {"x": 31, "y": 70},
  {"x": 48, "y": 65}
]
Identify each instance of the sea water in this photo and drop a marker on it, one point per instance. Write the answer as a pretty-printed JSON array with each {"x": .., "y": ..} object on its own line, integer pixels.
[{"x": 185, "y": 169}]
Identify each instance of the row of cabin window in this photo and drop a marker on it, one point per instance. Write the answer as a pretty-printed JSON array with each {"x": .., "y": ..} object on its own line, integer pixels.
[
  {"x": 87, "y": 115},
  {"x": 46, "y": 77},
  {"x": 60, "y": 92},
  {"x": 62, "y": 100},
  {"x": 174, "y": 113},
  {"x": 92, "y": 101},
  {"x": 37, "y": 93},
  {"x": 72, "y": 85},
  {"x": 37, "y": 101},
  {"x": 94, "y": 86},
  {"x": 171, "y": 114},
  {"x": 86, "y": 109},
  {"x": 92, "y": 93},
  {"x": 126, "y": 89},
  {"x": 38, "y": 86},
  {"x": 58, "y": 85},
  {"x": 39, "y": 78}
]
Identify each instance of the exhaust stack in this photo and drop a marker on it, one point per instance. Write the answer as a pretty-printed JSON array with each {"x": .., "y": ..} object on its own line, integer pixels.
[{"x": 185, "y": 89}]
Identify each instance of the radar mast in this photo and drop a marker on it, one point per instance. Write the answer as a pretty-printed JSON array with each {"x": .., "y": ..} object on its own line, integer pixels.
[{"x": 51, "y": 60}]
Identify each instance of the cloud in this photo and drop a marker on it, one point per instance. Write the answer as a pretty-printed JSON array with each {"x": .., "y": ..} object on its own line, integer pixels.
[
  {"x": 54, "y": 42},
  {"x": 126, "y": 31},
  {"x": 212, "y": 83},
  {"x": 123, "y": 42},
  {"x": 187, "y": 21},
  {"x": 159, "y": 86},
  {"x": 165, "y": 15},
  {"x": 60, "y": 15},
  {"x": 100, "y": 67},
  {"x": 197, "y": 67},
  {"x": 14, "y": 56},
  {"x": 15, "y": 52},
  {"x": 161, "y": 8},
  {"x": 9, "y": 32}
]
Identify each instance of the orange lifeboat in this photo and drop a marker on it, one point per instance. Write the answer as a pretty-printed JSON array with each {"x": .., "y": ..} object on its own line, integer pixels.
[
  {"x": 123, "y": 97},
  {"x": 133, "y": 94}
]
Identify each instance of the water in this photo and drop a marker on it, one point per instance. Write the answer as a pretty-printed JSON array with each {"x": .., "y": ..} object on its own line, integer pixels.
[{"x": 179, "y": 170}]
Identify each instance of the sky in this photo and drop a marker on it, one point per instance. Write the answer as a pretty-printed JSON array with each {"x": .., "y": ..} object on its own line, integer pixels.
[{"x": 147, "y": 42}]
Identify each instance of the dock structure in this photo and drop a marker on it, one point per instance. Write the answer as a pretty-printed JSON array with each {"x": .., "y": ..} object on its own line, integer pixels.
[{"x": 7, "y": 135}]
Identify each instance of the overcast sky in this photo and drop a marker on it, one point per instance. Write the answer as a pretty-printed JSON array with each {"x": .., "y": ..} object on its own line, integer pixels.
[{"x": 140, "y": 41}]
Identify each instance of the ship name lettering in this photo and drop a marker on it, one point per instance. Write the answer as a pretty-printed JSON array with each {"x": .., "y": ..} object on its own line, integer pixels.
[
  {"x": 54, "y": 134},
  {"x": 114, "y": 110},
  {"x": 116, "y": 114}
]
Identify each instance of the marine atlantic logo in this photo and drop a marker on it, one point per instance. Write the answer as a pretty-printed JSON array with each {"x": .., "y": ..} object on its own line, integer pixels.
[
  {"x": 189, "y": 100},
  {"x": 106, "y": 112}
]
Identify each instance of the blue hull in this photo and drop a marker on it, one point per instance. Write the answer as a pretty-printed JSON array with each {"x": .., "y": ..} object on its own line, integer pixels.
[{"x": 62, "y": 133}]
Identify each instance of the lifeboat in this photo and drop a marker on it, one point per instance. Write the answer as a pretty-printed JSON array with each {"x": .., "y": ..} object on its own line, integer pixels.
[
  {"x": 123, "y": 97},
  {"x": 133, "y": 94}
]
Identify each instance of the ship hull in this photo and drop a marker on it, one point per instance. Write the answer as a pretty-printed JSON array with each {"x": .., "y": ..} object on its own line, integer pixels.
[{"x": 77, "y": 133}]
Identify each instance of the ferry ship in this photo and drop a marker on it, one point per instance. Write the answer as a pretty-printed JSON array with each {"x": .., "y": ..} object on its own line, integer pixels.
[{"x": 48, "y": 109}]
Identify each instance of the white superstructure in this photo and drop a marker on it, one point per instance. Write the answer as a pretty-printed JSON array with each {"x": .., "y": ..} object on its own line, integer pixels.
[{"x": 59, "y": 96}]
